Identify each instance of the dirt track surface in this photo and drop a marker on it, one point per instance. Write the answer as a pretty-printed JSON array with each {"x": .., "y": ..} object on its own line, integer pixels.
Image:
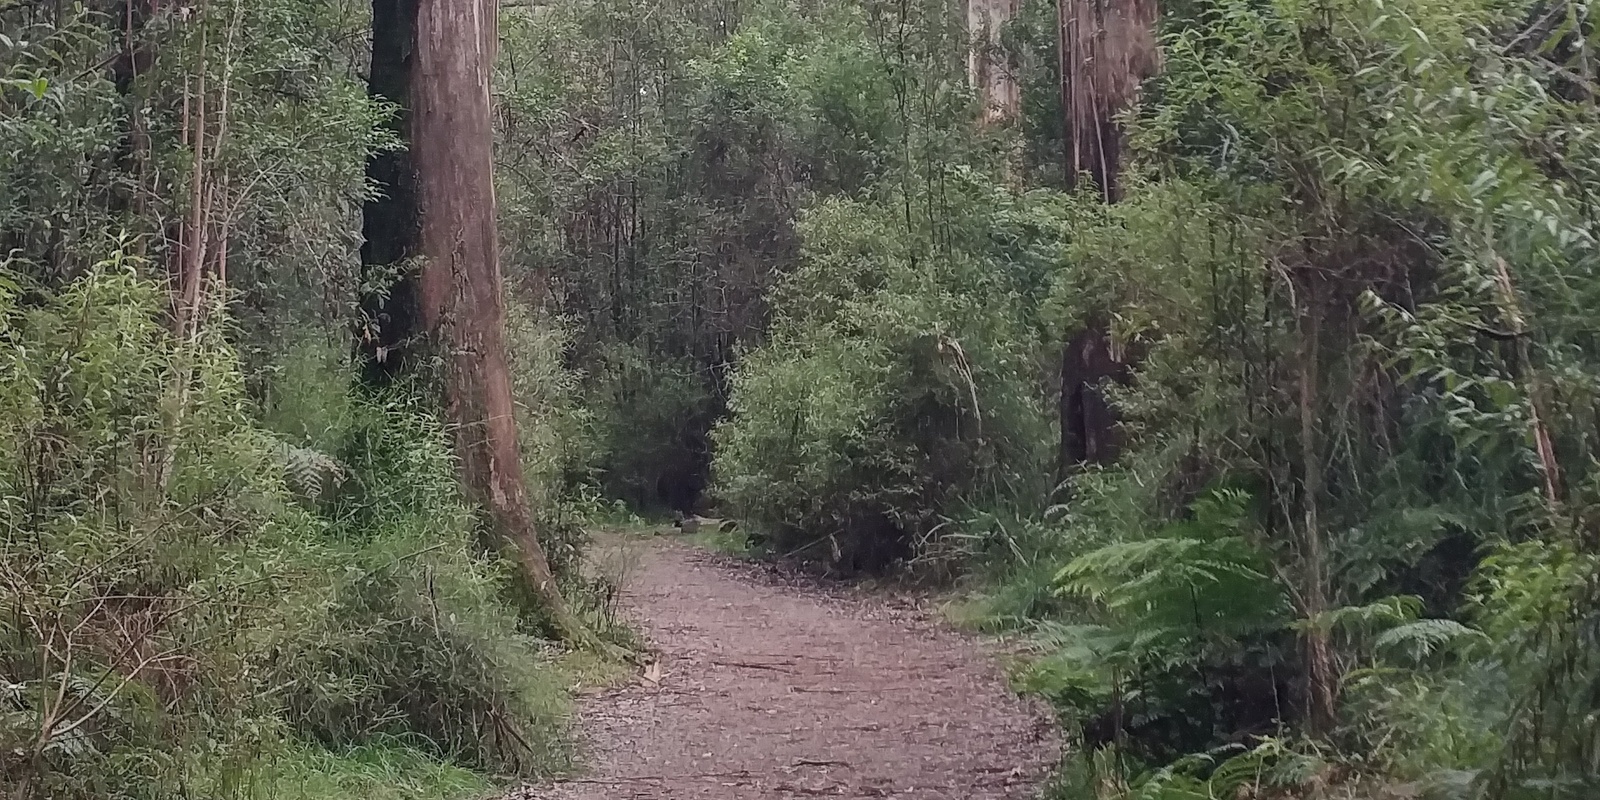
[{"x": 772, "y": 686}]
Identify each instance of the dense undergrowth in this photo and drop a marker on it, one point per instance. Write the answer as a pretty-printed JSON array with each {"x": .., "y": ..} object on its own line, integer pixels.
[
  {"x": 196, "y": 597},
  {"x": 1283, "y": 461},
  {"x": 1336, "y": 538},
  {"x": 228, "y": 567},
  {"x": 891, "y": 391}
]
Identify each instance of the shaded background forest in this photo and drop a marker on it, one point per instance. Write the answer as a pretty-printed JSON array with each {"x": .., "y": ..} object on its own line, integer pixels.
[{"x": 1237, "y": 355}]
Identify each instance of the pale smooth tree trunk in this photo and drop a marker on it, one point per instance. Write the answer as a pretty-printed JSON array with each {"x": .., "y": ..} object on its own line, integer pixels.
[{"x": 989, "y": 66}]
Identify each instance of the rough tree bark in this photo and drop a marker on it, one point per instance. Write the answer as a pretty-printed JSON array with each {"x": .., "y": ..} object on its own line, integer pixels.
[
  {"x": 1107, "y": 48},
  {"x": 437, "y": 224}
]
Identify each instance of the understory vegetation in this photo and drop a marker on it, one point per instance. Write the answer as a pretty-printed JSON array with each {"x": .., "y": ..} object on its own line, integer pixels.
[
  {"x": 1264, "y": 412},
  {"x": 1237, "y": 356},
  {"x": 230, "y": 567}
]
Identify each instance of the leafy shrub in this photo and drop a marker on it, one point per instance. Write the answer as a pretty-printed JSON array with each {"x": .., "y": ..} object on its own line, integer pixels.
[
  {"x": 561, "y": 443},
  {"x": 898, "y": 384},
  {"x": 174, "y": 617},
  {"x": 559, "y": 447},
  {"x": 1180, "y": 632},
  {"x": 144, "y": 527},
  {"x": 417, "y": 639},
  {"x": 58, "y": 135},
  {"x": 206, "y": 567},
  {"x": 654, "y": 416}
]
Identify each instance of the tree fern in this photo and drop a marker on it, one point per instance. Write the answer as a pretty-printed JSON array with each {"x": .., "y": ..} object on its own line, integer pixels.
[
  {"x": 1366, "y": 619},
  {"x": 1420, "y": 639}
]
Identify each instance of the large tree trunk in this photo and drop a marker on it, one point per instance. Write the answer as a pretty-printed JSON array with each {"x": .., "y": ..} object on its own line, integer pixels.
[
  {"x": 1107, "y": 48},
  {"x": 989, "y": 67},
  {"x": 435, "y": 58}
]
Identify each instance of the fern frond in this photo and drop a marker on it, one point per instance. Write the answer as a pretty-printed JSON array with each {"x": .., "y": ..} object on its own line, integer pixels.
[
  {"x": 1372, "y": 616},
  {"x": 1178, "y": 584},
  {"x": 1420, "y": 639},
  {"x": 309, "y": 472}
]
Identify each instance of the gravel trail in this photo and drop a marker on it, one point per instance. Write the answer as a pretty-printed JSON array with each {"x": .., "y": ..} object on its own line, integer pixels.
[{"x": 770, "y": 685}]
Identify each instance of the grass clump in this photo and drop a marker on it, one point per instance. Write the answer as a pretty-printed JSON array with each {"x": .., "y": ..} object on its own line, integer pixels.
[{"x": 380, "y": 771}]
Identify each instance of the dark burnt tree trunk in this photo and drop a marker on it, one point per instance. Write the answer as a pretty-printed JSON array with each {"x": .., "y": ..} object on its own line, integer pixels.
[
  {"x": 1088, "y": 422},
  {"x": 436, "y": 227},
  {"x": 391, "y": 228}
]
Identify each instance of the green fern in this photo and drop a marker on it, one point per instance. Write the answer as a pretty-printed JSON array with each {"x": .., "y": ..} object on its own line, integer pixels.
[
  {"x": 1420, "y": 639},
  {"x": 1365, "y": 619},
  {"x": 309, "y": 473},
  {"x": 1199, "y": 574}
]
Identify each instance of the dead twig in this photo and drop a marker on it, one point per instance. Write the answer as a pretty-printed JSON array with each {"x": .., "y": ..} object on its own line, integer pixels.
[
  {"x": 775, "y": 667},
  {"x": 695, "y": 776},
  {"x": 814, "y": 762}
]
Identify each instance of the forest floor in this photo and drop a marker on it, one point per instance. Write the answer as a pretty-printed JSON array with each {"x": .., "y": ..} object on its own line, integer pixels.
[{"x": 768, "y": 683}]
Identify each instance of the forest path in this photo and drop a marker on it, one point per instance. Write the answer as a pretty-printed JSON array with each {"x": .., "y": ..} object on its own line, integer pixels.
[{"x": 769, "y": 685}]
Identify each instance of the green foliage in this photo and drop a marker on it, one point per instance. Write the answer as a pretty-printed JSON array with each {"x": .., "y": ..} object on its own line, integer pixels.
[
  {"x": 57, "y": 147},
  {"x": 1200, "y": 574},
  {"x": 415, "y": 639},
  {"x": 1183, "y": 618},
  {"x": 1417, "y": 641},
  {"x": 121, "y": 567},
  {"x": 1409, "y": 175},
  {"x": 656, "y": 158},
  {"x": 171, "y": 611},
  {"x": 560, "y": 437},
  {"x": 556, "y": 432},
  {"x": 651, "y": 419},
  {"x": 1354, "y": 263},
  {"x": 382, "y": 772},
  {"x": 217, "y": 561},
  {"x": 144, "y": 525},
  {"x": 896, "y": 388}
]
